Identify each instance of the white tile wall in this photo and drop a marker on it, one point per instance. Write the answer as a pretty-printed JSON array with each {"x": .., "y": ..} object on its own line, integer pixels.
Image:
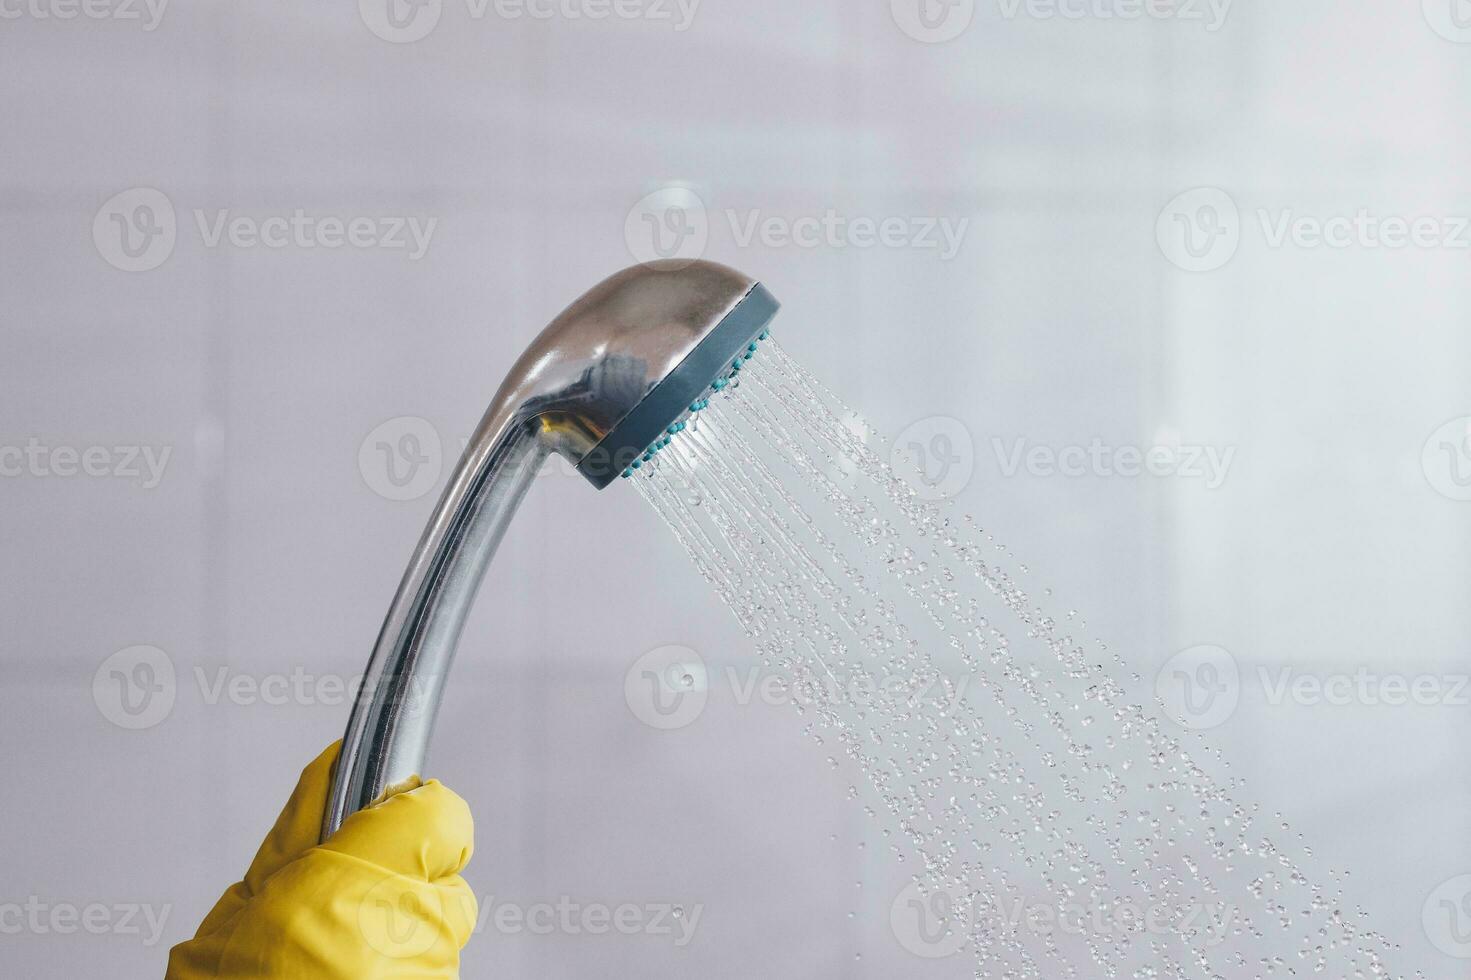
[{"x": 264, "y": 550}]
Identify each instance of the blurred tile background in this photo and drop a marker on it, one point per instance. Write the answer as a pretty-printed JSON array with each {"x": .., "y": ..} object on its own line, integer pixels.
[{"x": 1137, "y": 266}]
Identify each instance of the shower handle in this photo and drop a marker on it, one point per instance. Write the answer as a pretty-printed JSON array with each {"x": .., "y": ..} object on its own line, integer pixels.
[
  {"x": 392, "y": 719},
  {"x": 603, "y": 385}
]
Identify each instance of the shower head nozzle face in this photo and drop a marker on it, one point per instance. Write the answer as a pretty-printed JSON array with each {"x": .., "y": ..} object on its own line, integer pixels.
[
  {"x": 674, "y": 396},
  {"x": 624, "y": 363}
]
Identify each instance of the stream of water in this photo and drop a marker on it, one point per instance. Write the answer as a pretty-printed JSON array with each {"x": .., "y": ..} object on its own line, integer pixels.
[{"x": 1056, "y": 822}]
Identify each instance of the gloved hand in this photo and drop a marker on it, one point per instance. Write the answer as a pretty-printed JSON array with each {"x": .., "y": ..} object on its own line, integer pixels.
[{"x": 382, "y": 898}]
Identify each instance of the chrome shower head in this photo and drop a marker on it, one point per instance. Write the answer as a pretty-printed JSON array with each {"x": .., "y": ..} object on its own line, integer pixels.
[
  {"x": 612, "y": 373},
  {"x": 606, "y": 385}
]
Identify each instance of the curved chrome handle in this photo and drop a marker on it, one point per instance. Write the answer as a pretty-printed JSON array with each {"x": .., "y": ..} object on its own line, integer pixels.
[
  {"x": 393, "y": 717},
  {"x": 598, "y": 383}
]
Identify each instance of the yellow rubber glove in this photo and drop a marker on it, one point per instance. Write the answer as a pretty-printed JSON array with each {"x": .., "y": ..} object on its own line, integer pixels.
[{"x": 382, "y": 898}]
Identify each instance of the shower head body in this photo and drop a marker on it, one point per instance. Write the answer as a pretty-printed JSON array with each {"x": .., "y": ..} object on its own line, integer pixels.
[{"x": 605, "y": 385}]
